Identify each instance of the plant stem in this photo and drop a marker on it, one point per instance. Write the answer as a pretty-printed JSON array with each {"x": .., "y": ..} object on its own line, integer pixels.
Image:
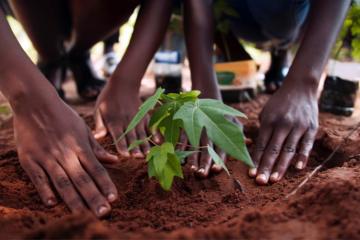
[
  {"x": 186, "y": 145},
  {"x": 151, "y": 141},
  {"x": 317, "y": 169}
]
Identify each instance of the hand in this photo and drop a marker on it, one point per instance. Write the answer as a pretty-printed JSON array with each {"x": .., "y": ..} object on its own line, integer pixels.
[
  {"x": 55, "y": 145},
  {"x": 288, "y": 127},
  {"x": 201, "y": 162},
  {"x": 113, "y": 112}
]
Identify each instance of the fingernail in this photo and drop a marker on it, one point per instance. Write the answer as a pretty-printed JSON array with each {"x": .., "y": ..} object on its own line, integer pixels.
[
  {"x": 111, "y": 197},
  {"x": 201, "y": 170},
  {"x": 193, "y": 167},
  {"x": 102, "y": 210},
  {"x": 112, "y": 156},
  {"x": 98, "y": 135},
  {"x": 216, "y": 167},
  {"x": 51, "y": 202},
  {"x": 299, "y": 165},
  {"x": 248, "y": 141},
  {"x": 125, "y": 154},
  {"x": 252, "y": 172},
  {"x": 261, "y": 178},
  {"x": 138, "y": 155},
  {"x": 274, "y": 177}
]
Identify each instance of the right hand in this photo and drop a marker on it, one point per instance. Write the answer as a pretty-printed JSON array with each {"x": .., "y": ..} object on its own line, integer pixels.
[
  {"x": 113, "y": 112},
  {"x": 55, "y": 145}
]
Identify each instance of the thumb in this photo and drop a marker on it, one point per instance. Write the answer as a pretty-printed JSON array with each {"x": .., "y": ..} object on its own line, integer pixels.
[
  {"x": 101, "y": 154},
  {"x": 100, "y": 128}
]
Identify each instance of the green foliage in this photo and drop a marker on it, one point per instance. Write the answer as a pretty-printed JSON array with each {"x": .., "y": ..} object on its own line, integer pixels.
[
  {"x": 185, "y": 112},
  {"x": 217, "y": 160},
  {"x": 143, "y": 110},
  {"x": 350, "y": 34},
  {"x": 164, "y": 164},
  {"x": 209, "y": 114}
]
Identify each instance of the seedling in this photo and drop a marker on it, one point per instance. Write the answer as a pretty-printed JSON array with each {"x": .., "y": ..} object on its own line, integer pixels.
[{"x": 185, "y": 112}]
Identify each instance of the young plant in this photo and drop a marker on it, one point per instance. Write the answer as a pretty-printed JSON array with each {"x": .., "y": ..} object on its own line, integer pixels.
[{"x": 185, "y": 112}]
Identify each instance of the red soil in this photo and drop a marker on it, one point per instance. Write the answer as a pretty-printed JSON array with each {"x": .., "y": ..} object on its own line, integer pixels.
[{"x": 327, "y": 207}]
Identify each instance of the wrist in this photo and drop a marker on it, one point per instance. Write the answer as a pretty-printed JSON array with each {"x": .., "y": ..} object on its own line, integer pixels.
[
  {"x": 302, "y": 83},
  {"x": 34, "y": 93},
  {"x": 118, "y": 84},
  {"x": 208, "y": 89}
]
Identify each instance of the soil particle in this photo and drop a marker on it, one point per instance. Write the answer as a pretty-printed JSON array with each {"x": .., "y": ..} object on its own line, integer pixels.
[{"x": 214, "y": 208}]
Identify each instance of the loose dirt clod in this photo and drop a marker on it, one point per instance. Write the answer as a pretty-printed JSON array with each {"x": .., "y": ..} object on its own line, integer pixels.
[{"x": 317, "y": 169}]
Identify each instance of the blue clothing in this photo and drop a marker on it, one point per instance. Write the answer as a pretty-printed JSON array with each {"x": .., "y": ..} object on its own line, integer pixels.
[{"x": 260, "y": 21}]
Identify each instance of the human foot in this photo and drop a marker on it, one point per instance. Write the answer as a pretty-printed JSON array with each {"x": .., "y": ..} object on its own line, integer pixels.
[
  {"x": 88, "y": 84},
  {"x": 55, "y": 72},
  {"x": 277, "y": 72}
]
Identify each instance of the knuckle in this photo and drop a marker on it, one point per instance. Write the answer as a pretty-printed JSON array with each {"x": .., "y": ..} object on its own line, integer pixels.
[
  {"x": 63, "y": 182},
  {"x": 287, "y": 121},
  {"x": 38, "y": 179},
  {"x": 121, "y": 144},
  {"x": 289, "y": 148},
  {"x": 95, "y": 198},
  {"x": 82, "y": 179},
  {"x": 274, "y": 149},
  {"x": 75, "y": 203},
  {"x": 99, "y": 170}
]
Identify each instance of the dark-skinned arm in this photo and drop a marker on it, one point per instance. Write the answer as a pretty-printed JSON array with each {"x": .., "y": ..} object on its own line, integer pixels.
[
  {"x": 289, "y": 121},
  {"x": 199, "y": 36},
  {"x": 119, "y": 100},
  {"x": 53, "y": 142}
]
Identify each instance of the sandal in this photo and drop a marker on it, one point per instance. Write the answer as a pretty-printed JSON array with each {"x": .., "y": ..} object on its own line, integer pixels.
[{"x": 88, "y": 84}]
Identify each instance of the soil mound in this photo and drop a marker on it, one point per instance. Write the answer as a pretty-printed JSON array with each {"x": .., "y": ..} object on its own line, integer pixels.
[{"x": 327, "y": 207}]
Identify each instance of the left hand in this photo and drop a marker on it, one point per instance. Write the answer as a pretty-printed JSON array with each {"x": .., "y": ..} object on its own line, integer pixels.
[{"x": 288, "y": 122}]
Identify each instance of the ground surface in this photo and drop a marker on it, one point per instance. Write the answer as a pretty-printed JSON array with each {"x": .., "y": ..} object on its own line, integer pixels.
[{"x": 327, "y": 207}]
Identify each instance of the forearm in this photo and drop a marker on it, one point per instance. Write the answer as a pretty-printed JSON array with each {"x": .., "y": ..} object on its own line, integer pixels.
[
  {"x": 325, "y": 21},
  {"x": 199, "y": 35},
  {"x": 149, "y": 31},
  {"x": 19, "y": 78}
]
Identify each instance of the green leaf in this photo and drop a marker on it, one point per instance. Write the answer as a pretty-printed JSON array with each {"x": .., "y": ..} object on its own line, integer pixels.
[
  {"x": 143, "y": 110},
  {"x": 189, "y": 96},
  {"x": 219, "y": 107},
  {"x": 5, "y": 110},
  {"x": 183, "y": 154},
  {"x": 188, "y": 113},
  {"x": 151, "y": 168},
  {"x": 209, "y": 114},
  {"x": 217, "y": 159},
  {"x": 154, "y": 151},
  {"x": 159, "y": 115},
  {"x": 164, "y": 164},
  {"x": 137, "y": 143},
  {"x": 160, "y": 154},
  {"x": 171, "y": 130},
  {"x": 172, "y": 169}
]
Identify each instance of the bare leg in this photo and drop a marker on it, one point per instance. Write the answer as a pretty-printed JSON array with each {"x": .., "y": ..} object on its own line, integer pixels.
[
  {"x": 103, "y": 15},
  {"x": 50, "y": 23},
  {"x": 47, "y": 23},
  {"x": 275, "y": 76}
]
